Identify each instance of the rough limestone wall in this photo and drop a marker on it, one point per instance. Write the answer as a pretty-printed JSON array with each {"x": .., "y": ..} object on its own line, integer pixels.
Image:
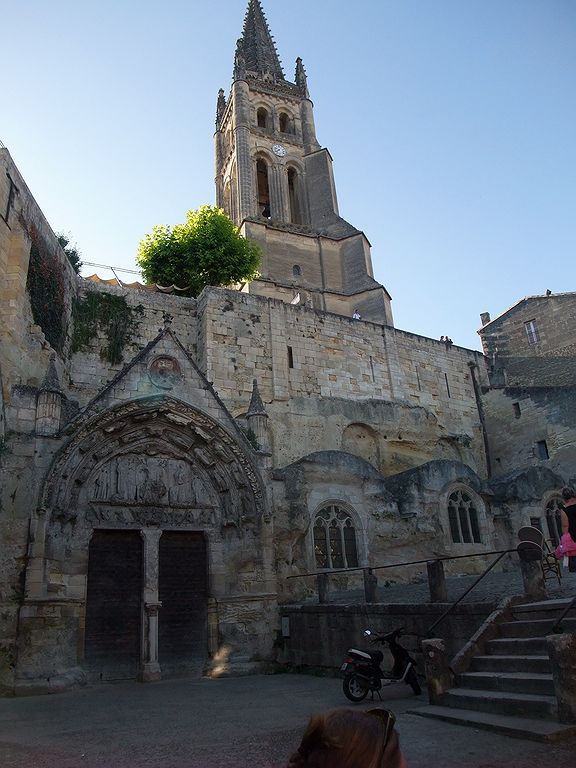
[
  {"x": 24, "y": 350},
  {"x": 542, "y": 414},
  {"x": 89, "y": 371},
  {"x": 309, "y": 364}
]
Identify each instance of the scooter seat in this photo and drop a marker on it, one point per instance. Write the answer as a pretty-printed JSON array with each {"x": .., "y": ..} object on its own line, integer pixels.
[{"x": 375, "y": 657}]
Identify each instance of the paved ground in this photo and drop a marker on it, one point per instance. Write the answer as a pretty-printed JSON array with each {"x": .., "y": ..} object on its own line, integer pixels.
[
  {"x": 249, "y": 722},
  {"x": 492, "y": 588}
]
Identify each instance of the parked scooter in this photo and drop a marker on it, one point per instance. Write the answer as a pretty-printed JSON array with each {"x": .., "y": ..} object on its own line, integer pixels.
[{"x": 362, "y": 671}]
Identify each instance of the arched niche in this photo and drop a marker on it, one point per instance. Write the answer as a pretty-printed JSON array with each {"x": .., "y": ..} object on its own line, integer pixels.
[{"x": 153, "y": 462}]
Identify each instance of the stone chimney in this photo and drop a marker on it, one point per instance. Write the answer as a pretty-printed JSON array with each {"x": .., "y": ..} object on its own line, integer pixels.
[{"x": 484, "y": 318}]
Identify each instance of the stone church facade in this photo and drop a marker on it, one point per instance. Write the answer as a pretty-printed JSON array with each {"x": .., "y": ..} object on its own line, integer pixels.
[{"x": 157, "y": 494}]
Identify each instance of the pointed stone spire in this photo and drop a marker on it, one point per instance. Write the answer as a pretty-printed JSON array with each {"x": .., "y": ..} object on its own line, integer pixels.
[
  {"x": 300, "y": 79},
  {"x": 255, "y": 50},
  {"x": 257, "y": 419},
  {"x": 256, "y": 407},
  {"x": 49, "y": 401},
  {"x": 51, "y": 381},
  {"x": 220, "y": 107}
]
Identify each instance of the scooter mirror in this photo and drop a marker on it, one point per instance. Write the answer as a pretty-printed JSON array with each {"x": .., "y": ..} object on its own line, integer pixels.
[{"x": 367, "y": 633}]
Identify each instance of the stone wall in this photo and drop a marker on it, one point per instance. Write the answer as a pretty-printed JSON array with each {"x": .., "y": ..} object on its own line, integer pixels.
[
  {"x": 532, "y": 416},
  {"x": 548, "y": 361},
  {"x": 319, "y": 635},
  {"x": 24, "y": 351},
  {"x": 318, "y": 373}
]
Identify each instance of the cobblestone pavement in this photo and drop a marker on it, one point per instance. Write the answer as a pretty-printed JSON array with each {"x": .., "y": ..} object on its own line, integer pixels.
[
  {"x": 249, "y": 722},
  {"x": 493, "y": 588}
]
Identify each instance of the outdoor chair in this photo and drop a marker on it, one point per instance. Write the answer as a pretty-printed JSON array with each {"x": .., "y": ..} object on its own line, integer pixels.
[{"x": 532, "y": 539}]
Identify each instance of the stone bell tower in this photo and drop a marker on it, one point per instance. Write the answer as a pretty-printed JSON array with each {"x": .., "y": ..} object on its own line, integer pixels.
[{"x": 275, "y": 181}]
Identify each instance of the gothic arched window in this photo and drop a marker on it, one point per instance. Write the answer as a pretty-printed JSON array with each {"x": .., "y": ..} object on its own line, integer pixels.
[
  {"x": 263, "y": 188},
  {"x": 262, "y": 118},
  {"x": 553, "y": 519},
  {"x": 463, "y": 517},
  {"x": 285, "y": 123},
  {"x": 294, "y": 196},
  {"x": 334, "y": 538}
]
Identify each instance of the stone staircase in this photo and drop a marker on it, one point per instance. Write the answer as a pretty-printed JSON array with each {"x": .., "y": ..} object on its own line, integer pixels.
[{"x": 509, "y": 686}]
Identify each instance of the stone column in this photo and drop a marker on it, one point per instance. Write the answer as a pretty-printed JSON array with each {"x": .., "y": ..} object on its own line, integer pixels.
[
  {"x": 370, "y": 586},
  {"x": 149, "y": 666},
  {"x": 36, "y": 543},
  {"x": 323, "y": 589},
  {"x": 439, "y": 676},
  {"x": 532, "y": 574},
  {"x": 437, "y": 581},
  {"x": 562, "y": 652}
]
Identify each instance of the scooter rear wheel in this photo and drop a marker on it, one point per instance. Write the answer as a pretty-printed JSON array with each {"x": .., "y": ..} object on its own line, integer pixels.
[{"x": 355, "y": 689}]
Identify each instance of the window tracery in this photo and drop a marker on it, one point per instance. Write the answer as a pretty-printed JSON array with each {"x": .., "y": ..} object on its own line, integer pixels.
[{"x": 335, "y": 543}]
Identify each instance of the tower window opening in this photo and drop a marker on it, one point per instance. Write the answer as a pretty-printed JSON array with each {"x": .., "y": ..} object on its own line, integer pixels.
[
  {"x": 542, "y": 450},
  {"x": 290, "y": 357},
  {"x": 532, "y": 332},
  {"x": 263, "y": 188},
  {"x": 285, "y": 123},
  {"x": 262, "y": 118},
  {"x": 294, "y": 197},
  {"x": 296, "y": 270}
]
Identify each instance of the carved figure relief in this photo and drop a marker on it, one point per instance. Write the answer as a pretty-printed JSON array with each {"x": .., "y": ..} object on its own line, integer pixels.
[
  {"x": 157, "y": 480},
  {"x": 164, "y": 371}
]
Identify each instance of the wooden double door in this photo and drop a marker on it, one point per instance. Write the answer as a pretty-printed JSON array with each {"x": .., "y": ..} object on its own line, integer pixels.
[{"x": 113, "y": 636}]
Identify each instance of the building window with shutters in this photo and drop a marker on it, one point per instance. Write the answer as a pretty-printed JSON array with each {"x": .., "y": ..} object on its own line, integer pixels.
[
  {"x": 335, "y": 538},
  {"x": 463, "y": 518}
]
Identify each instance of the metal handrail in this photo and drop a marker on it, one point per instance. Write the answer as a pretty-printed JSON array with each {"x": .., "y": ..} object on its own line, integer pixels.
[
  {"x": 397, "y": 565},
  {"x": 557, "y": 628},
  {"x": 463, "y": 595}
]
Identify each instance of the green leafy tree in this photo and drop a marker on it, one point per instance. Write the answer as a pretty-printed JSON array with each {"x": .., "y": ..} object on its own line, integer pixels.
[
  {"x": 71, "y": 251},
  {"x": 206, "y": 250}
]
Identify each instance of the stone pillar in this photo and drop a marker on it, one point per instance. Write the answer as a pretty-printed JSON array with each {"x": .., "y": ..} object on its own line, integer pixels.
[
  {"x": 437, "y": 581},
  {"x": 439, "y": 675},
  {"x": 533, "y": 577},
  {"x": 322, "y": 581},
  {"x": 213, "y": 632},
  {"x": 36, "y": 543},
  {"x": 370, "y": 586},
  {"x": 149, "y": 666},
  {"x": 241, "y": 106},
  {"x": 562, "y": 652}
]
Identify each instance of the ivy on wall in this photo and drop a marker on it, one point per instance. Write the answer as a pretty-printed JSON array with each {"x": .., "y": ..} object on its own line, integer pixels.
[
  {"x": 105, "y": 313},
  {"x": 45, "y": 286}
]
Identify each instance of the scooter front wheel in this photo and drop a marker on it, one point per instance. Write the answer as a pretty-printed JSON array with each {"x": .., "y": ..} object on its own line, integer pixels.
[{"x": 354, "y": 687}]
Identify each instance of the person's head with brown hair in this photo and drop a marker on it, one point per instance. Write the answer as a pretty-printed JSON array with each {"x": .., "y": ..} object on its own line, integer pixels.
[
  {"x": 568, "y": 493},
  {"x": 346, "y": 738}
]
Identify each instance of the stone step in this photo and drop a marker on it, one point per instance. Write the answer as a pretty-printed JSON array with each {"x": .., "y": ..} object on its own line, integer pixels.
[
  {"x": 534, "y": 628},
  {"x": 513, "y": 663},
  {"x": 518, "y": 727},
  {"x": 501, "y": 702},
  {"x": 557, "y": 605},
  {"x": 524, "y": 646},
  {"x": 513, "y": 682}
]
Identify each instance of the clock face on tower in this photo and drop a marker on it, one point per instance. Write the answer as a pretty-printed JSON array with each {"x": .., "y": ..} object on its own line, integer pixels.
[{"x": 278, "y": 150}]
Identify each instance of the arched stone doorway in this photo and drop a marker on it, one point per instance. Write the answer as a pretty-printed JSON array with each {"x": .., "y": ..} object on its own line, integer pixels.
[{"x": 155, "y": 504}]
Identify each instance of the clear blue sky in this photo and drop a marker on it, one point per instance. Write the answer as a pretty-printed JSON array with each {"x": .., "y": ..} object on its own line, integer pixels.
[{"x": 452, "y": 125}]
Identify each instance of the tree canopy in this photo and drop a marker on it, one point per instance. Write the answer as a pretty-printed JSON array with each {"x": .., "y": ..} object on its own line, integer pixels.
[
  {"x": 71, "y": 251},
  {"x": 206, "y": 250}
]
